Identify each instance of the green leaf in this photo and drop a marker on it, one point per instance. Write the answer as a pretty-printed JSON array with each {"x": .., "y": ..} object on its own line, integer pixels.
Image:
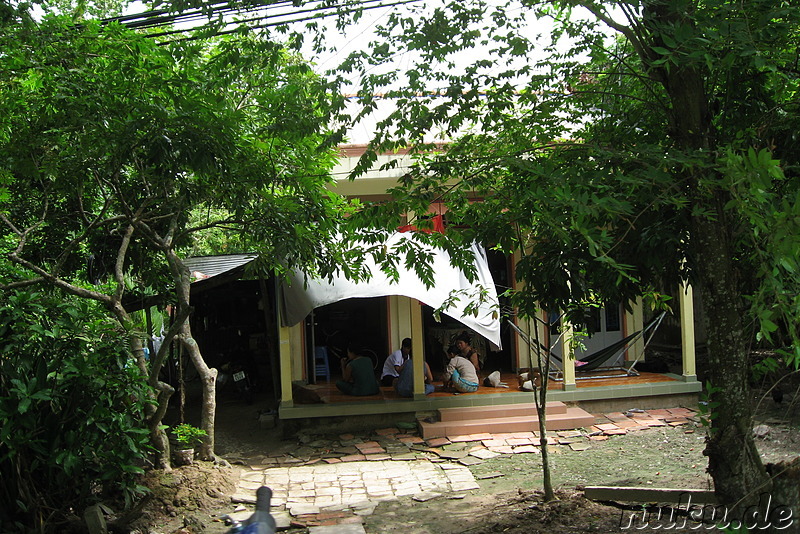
[{"x": 24, "y": 405}]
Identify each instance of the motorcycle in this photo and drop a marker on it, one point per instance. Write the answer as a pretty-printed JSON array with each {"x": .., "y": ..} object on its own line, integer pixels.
[{"x": 236, "y": 373}]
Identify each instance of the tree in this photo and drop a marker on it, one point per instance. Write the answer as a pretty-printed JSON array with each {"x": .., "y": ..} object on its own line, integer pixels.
[
  {"x": 110, "y": 141},
  {"x": 618, "y": 165}
]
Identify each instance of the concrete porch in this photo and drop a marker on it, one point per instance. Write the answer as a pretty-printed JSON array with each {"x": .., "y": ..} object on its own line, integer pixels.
[{"x": 646, "y": 391}]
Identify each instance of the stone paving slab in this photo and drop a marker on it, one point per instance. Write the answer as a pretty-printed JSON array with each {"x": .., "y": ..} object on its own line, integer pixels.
[
  {"x": 341, "y": 528},
  {"x": 322, "y": 481},
  {"x": 484, "y": 454},
  {"x": 323, "y": 485}
]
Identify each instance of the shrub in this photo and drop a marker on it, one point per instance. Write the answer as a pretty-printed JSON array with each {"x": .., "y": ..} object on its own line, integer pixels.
[
  {"x": 71, "y": 402},
  {"x": 187, "y": 436}
]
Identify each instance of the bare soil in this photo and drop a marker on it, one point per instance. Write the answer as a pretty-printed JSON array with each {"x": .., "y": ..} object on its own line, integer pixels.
[{"x": 509, "y": 499}]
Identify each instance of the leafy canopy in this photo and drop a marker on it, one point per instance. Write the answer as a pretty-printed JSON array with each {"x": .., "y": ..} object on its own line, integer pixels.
[
  {"x": 104, "y": 129},
  {"x": 578, "y": 146}
]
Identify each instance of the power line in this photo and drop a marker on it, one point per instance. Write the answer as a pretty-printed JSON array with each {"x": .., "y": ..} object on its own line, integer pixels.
[{"x": 276, "y": 13}]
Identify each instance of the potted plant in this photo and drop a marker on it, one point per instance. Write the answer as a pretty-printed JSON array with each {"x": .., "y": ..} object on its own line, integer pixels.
[{"x": 186, "y": 438}]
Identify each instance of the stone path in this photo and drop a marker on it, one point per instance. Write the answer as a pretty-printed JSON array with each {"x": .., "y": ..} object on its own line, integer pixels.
[
  {"x": 328, "y": 482},
  {"x": 316, "y": 488}
]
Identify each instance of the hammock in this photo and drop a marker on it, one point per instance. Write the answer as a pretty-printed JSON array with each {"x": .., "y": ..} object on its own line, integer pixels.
[{"x": 591, "y": 362}]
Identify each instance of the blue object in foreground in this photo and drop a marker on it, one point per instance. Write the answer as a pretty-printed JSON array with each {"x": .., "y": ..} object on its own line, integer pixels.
[{"x": 261, "y": 522}]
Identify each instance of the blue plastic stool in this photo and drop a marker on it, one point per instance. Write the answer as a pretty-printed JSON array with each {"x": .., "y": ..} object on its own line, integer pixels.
[{"x": 321, "y": 367}]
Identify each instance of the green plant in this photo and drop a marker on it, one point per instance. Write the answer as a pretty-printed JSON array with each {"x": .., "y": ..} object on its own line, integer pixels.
[
  {"x": 72, "y": 411},
  {"x": 188, "y": 436},
  {"x": 707, "y": 408}
]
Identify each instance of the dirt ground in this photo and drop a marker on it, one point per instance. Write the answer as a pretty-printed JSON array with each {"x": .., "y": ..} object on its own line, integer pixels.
[{"x": 509, "y": 499}]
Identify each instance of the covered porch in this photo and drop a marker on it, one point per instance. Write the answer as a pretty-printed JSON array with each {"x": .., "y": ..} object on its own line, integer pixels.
[
  {"x": 404, "y": 315},
  {"x": 645, "y": 391}
]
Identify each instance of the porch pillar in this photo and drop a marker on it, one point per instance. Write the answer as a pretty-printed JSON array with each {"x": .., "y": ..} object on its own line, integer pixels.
[
  {"x": 634, "y": 322},
  {"x": 285, "y": 352},
  {"x": 568, "y": 355},
  {"x": 525, "y": 357},
  {"x": 687, "y": 332},
  {"x": 417, "y": 350},
  {"x": 524, "y": 354},
  {"x": 536, "y": 329},
  {"x": 399, "y": 320},
  {"x": 543, "y": 327}
]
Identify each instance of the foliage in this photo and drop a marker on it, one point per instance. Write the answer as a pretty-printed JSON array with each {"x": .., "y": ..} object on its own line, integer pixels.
[
  {"x": 70, "y": 402},
  {"x": 187, "y": 436},
  {"x": 116, "y": 151},
  {"x": 614, "y": 165},
  {"x": 212, "y": 241},
  {"x": 150, "y": 134},
  {"x": 568, "y": 151},
  {"x": 708, "y": 407}
]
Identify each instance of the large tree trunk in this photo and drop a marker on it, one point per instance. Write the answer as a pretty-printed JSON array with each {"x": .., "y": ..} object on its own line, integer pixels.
[
  {"x": 733, "y": 461},
  {"x": 158, "y": 435},
  {"x": 208, "y": 377}
]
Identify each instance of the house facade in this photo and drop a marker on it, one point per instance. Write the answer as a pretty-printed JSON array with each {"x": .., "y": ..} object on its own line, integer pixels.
[{"x": 383, "y": 321}]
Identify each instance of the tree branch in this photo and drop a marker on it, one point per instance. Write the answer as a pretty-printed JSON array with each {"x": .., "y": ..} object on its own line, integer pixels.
[
  {"x": 62, "y": 284},
  {"x": 119, "y": 265}
]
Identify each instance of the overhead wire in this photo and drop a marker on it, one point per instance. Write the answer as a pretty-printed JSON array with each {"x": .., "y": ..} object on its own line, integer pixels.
[
  {"x": 235, "y": 26},
  {"x": 281, "y": 12}
]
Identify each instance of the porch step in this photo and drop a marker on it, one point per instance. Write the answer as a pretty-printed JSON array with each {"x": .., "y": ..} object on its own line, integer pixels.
[
  {"x": 500, "y": 410},
  {"x": 563, "y": 418}
]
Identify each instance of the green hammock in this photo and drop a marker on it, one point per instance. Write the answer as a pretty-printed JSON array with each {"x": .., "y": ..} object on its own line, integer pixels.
[{"x": 591, "y": 362}]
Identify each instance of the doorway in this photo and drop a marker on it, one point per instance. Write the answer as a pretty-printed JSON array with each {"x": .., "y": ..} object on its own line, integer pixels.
[{"x": 334, "y": 326}]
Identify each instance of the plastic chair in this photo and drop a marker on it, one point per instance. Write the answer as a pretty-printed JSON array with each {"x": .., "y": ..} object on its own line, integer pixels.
[{"x": 321, "y": 366}]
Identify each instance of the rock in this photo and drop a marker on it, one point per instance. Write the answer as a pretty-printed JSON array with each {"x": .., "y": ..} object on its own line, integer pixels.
[
  {"x": 579, "y": 446},
  {"x": 194, "y": 524},
  {"x": 302, "y": 509},
  {"x": 364, "y": 511},
  {"x": 761, "y": 431},
  {"x": 95, "y": 520},
  {"x": 267, "y": 420}
]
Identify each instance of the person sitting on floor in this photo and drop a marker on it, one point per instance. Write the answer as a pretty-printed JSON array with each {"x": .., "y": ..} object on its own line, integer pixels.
[
  {"x": 460, "y": 373},
  {"x": 394, "y": 362},
  {"x": 464, "y": 346},
  {"x": 404, "y": 385},
  {"x": 358, "y": 376}
]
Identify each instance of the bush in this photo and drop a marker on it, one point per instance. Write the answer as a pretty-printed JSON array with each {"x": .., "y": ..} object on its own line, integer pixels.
[
  {"x": 187, "y": 436},
  {"x": 71, "y": 402}
]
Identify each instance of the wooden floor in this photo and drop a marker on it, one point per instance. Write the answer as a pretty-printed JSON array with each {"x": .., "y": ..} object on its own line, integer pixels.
[{"x": 330, "y": 394}]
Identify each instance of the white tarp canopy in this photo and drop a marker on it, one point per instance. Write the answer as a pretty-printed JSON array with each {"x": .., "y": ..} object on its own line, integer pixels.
[{"x": 300, "y": 299}]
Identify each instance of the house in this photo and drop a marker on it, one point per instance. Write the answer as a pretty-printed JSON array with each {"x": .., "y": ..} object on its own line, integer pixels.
[{"x": 307, "y": 331}]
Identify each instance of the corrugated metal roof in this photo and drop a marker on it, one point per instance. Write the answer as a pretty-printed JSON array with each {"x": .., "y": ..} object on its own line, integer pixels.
[{"x": 208, "y": 266}]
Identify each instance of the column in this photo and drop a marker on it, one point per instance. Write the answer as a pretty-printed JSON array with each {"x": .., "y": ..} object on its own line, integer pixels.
[
  {"x": 567, "y": 355},
  {"x": 417, "y": 349},
  {"x": 285, "y": 355},
  {"x": 687, "y": 332},
  {"x": 634, "y": 322}
]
